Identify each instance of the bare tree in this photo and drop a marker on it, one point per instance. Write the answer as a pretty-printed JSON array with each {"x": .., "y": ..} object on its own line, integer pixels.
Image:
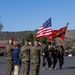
[{"x": 1, "y": 26}]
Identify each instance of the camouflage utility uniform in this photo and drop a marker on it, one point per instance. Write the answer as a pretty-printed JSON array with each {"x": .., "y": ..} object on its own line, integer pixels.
[
  {"x": 43, "y": 55},
  {"x": 54, "y": 56},
  {"x": 8, "y": 54},
  {"x": 61, "y": 56},
  {"x": 35, "y": 59},
  {"x": 25, "y": 57}
]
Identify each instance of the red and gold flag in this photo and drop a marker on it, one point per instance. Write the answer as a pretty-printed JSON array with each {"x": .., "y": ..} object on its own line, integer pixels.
[{"x": 58, "y": 33}]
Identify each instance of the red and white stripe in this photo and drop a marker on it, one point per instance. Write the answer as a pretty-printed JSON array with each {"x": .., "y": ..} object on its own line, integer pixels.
[{"x": 44, "y": 32}]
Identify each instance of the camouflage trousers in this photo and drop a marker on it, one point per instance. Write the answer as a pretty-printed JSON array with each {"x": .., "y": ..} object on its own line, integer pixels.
[
  {"x": 45, "y": 60},
  {"x": 9, "y": 67},
  {"x": 26, "y": 68},
  {"x": 35, "y": 68}
]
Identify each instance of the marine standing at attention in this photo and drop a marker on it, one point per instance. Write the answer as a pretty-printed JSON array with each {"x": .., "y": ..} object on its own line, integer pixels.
[
  {"x": 25, "y": 57},
  {"x": 8, "y": 54}
]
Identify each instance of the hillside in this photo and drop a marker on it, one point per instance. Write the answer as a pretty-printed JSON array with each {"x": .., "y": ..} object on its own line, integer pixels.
[
  {"x": 14, "y": 35},
  {"x": 68, "y": 41}
]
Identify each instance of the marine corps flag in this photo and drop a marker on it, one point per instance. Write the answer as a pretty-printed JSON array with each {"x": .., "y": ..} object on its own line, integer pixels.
[
  {"x": 63, "y": 31},
  {"x": 58, "y": 33},
  {"x": 45, "y": 29}
]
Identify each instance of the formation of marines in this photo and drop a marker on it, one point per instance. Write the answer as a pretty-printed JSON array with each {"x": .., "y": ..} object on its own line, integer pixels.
[{"x": 31, "y": 55}]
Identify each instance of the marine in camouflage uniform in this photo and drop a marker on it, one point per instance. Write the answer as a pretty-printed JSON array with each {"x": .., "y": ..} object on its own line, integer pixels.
[
  {"x": 46, "y": 57},
  {"x": 35, "y": 58},
  {"x": 43, "y": 60},
  {"x": 8, "y": 54},
  {"x": 50, "y": 55},
  {"x": 25, "y": 57},
  {"x": 61, "y": 56},
  {"x": 54, "y": 56}
]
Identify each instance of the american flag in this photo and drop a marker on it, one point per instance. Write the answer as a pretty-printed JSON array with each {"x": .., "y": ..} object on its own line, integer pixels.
[{"x": 45, "y": 29}]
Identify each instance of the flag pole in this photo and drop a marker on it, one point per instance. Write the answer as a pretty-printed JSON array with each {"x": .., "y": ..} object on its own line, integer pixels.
[{"x": 51, "y": 31}]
